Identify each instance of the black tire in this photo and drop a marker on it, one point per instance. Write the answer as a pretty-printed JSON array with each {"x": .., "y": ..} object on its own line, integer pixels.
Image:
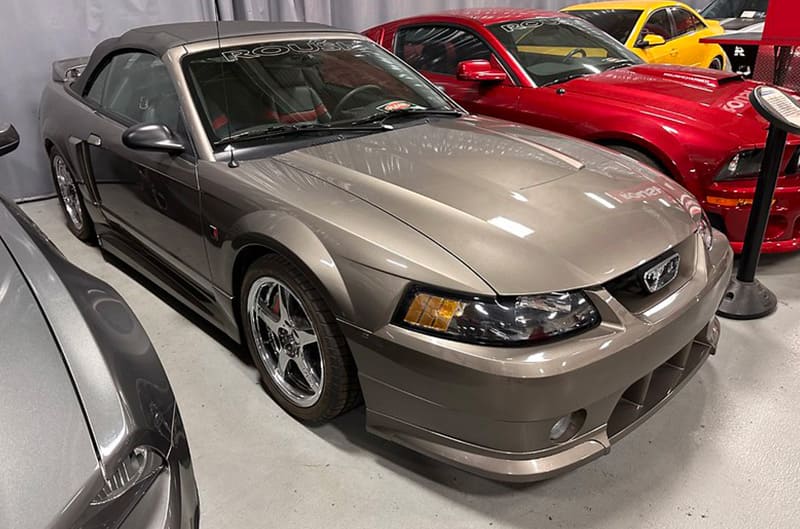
[
  {"x": 717, "y": 63},
  {"x": 340, "y": 390},
  {"x": 78, "y": 222},
  {"x": 639, "y": 156}
]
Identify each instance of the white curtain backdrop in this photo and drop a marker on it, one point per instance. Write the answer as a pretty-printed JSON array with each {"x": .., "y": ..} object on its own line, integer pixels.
[
  {"x": 362, "y": 14},
  {"x": 38, "y": 32}
]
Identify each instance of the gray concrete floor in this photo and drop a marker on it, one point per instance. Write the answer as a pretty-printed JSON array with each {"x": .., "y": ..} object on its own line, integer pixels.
[{"x": 722, "y": 454}]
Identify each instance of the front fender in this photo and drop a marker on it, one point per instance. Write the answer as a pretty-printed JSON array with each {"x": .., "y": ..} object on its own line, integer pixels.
[
  {"x": 284, "y": 234},
  {"x": 652, "y": 139},
  {"x": 117, "y": 374},
  {"x": 360, "y": 257}
]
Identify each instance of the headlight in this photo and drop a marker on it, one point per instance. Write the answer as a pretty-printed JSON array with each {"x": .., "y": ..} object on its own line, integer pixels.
[
  {"x": 705, "y": 230},
  {"x": 501, "y": 321},
  {"x": 746, "y": 164},
  {"x": 701, "y": 221},
  {"x": 140, "y": 464}
]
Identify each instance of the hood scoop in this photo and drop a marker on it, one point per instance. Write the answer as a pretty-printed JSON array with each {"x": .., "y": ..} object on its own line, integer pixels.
[{"x": 709, "y": 79}]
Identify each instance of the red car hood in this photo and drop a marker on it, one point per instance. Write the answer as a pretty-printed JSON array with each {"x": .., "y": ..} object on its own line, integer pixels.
[{"x": 715, "y": 99}]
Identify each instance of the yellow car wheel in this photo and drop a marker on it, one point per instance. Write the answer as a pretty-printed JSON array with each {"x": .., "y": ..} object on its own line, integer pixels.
[{"x": 717, "y": 63}]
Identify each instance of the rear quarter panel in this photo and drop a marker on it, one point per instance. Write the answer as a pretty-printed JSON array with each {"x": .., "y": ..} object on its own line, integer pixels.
[{"x": 64, "y": 122}]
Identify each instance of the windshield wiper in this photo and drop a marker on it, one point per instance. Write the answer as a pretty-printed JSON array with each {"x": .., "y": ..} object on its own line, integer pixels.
[
  {"x": 381, "y": 117},
  {"x": 271, "y": 131},
  {"x": 620, "y": 64},
  {"x": 564, "y": 79}
]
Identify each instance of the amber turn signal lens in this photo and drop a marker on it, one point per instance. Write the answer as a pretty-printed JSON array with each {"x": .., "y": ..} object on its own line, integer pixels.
[
  {"x": 732, "y": 202},
  {"x": 432, "y": 312}
]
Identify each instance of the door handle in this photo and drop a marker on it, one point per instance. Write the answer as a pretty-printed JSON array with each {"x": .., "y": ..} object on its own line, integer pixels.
[
  {"x": 160, "y": 200},
  {"x": 95, "y": 140}
]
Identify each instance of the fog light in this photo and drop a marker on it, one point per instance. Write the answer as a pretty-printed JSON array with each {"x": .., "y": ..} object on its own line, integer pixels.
[
  {"x": 567, "y": 426},
  {"x": 560, "y": 428}
]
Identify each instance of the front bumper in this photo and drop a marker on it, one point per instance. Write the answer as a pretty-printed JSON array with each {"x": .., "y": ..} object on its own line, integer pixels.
[
  {"x": 783, "y": 227},
  {"x": 489, "y": 410}
]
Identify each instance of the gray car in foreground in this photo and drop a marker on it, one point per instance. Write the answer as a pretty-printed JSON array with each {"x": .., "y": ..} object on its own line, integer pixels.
[
  {"x": 90, "y": 429},
  {"x": 505, "y": 299}
]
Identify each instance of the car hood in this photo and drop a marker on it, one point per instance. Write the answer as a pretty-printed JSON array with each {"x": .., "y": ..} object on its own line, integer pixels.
[
  {"x": 708, "y": 98},
  {"x": 746, "y": 24},
  {"x": 49, "y": 452},
  {"x": 527, "y": 210}
]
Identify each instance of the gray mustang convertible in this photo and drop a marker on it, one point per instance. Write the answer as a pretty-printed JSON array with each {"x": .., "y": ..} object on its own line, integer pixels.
[{"x": 502, "y": 298}]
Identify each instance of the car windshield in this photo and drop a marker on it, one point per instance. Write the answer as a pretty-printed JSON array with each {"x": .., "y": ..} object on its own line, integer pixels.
[
  {"x": 719, "y": 9},
  {"x": 554, "y": 50},
  {"x": 618, "y": 23},
  {"x": 302, "y": 85}
]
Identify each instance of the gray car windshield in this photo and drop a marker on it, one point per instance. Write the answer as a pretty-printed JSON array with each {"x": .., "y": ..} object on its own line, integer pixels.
[
  {"x": 555, "y": 50},
  {"x": 252, "y": 91}
]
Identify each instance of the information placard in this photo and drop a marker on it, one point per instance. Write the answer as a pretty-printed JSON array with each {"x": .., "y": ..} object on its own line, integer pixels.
[{"x": 777, "y": 108}]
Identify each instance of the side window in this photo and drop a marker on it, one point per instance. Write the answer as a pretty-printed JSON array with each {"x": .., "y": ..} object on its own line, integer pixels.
[
  {"x": 136, "y": 88},
  {"x": 685, "y": 22},
  {"x": 95, "y": 93},
  {"x": 439, "y": 49},
  {"x": 658, "y": 24}
]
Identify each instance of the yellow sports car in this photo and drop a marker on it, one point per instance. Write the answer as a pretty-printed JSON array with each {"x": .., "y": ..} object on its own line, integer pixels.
[{"x": 657, "y": 31}]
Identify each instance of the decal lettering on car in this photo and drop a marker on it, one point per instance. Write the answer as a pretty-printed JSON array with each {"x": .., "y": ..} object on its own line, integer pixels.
[
  {"x": 274, "y": 50},
  {"x": 394, "y": 106},
  {"x": 637, "y": 193},
  {"x": 528, "y": 24},
  {"x": 738, "y": 102}
]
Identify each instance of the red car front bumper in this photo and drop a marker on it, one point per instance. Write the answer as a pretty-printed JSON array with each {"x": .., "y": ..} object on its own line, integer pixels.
[{"x": 729, "y": 204}]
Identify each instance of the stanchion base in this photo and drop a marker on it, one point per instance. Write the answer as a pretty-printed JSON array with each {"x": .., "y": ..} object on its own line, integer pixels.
[{"x": 747, "y": 301}]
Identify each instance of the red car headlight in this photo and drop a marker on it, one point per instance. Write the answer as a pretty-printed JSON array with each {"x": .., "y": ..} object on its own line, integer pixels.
[{"x": 745, "y": 164}]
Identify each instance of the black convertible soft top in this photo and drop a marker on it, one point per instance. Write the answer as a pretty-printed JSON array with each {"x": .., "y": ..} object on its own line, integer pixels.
[{"x": 158, "y": 39}]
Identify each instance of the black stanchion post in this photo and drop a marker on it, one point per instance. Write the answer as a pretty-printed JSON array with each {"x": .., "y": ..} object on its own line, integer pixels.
[
  {"x": 762, "y": 201},
  {"x": 746, "y": 298}
]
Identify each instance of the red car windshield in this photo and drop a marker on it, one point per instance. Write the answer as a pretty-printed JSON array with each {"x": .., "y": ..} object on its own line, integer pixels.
[{"x": 555, "y": 50}]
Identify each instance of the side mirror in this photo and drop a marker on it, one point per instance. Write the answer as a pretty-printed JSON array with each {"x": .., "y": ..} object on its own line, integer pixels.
[
  {"x": 152, "y": 137},
  {"x": 9, "y": 138},
  {"x": 479, "y": 70},
  {"x": 650, "y": 40}
]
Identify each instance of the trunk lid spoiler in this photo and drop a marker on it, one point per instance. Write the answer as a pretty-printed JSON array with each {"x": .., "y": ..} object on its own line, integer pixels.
[{"x": 67, "y": 70}]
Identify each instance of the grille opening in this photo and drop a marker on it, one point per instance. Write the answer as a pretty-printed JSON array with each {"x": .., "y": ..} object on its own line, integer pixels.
[
  {"x": 647, "y": 392},
  {"x": 627, "y": 290},
  {"x": 776, "y": 227}
]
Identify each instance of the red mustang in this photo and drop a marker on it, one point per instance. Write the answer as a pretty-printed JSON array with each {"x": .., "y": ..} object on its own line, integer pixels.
[{"x": 555, "y": 71}]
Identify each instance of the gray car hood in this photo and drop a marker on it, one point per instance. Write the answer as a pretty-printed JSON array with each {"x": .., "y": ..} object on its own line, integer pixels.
[
  {"x": 48, "y": 452},
  {"x": 528, "y": 210}
]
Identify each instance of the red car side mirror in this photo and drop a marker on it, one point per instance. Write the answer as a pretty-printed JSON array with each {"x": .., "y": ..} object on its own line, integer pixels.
[{"x": 479, "y": 70}]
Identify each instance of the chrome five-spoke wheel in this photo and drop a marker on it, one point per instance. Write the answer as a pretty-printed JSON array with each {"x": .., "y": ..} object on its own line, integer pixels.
[
  {"x": 68, "y": 192},
  {"x": 286, "y": 341},
  {"x": 69, "y": 195}
]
